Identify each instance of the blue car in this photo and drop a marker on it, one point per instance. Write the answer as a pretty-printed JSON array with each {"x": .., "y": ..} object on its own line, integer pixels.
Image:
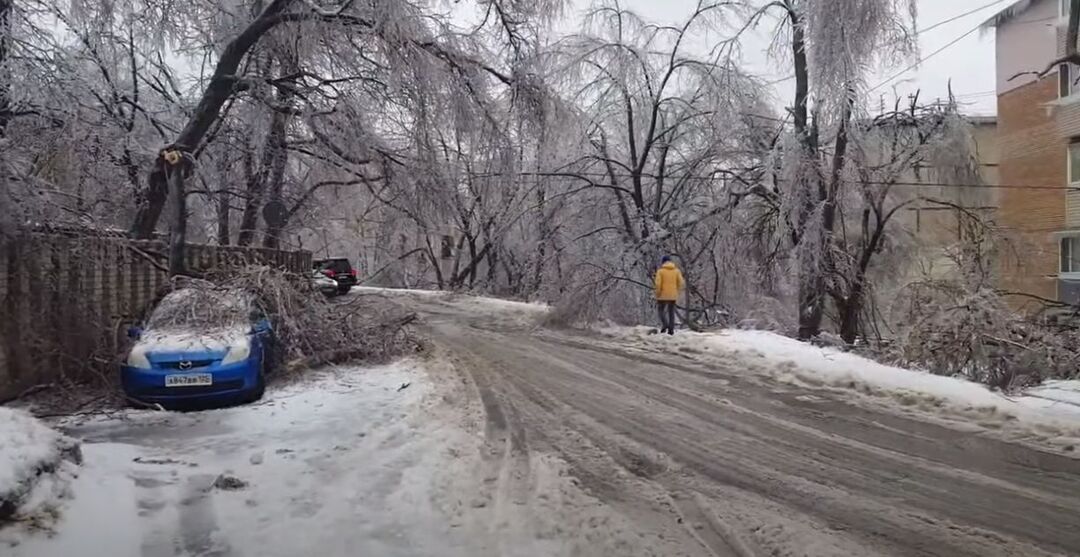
[{"x": 200, "y": 346}]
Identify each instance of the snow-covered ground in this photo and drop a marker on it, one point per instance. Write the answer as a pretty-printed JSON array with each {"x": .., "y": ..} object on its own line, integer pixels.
[
  {"x": 308, "y": 457},
  {"x": 1057, "y": 403},
  {"x": 36, "y": 465},
  {"x": 479, "y": 303},
  {"x": 356, "y": 461}
]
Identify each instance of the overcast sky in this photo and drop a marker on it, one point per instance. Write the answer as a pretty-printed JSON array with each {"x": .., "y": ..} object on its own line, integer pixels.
[{"x": 969, "y": 63}]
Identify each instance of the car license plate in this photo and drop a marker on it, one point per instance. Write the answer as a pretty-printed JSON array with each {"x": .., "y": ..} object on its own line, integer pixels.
[{"x": 189, "y": 380}]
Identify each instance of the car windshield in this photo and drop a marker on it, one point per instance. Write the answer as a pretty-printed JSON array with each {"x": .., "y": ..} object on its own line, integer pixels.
[
  {"x": 202, "y": 308},
  {"x": 340, "y": 266}
]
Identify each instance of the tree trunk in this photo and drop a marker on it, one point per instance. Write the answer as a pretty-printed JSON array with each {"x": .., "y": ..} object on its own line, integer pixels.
[
  {"x": 224, "y": 214},
  {"x": 276, "y": 217},
  {"x": 435, "y": 263},
  {"x": 472, "y": 254},
  {"x": 542, "y": 243},
  {"x": 849, "y": 314},
  {"x": 813, "y": 305},
  {"x": 151, "y": 203},
  {"x": 492, "y": 268},
  {"x": 6, "y": 9},
  {"x": 224, "y": 204},
  {"x": 223, "y": 84},
  {"x": 811, "y": 283},
  {"x": 177, "y": 219},
  {"x": 249, "y": 217}
]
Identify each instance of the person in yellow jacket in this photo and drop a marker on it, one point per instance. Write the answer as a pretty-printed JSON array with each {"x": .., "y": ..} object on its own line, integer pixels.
[{"x": 669, "y": 283}]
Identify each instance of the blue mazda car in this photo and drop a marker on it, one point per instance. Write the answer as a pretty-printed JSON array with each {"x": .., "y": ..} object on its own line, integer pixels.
[{"x": 200, "y": 346}]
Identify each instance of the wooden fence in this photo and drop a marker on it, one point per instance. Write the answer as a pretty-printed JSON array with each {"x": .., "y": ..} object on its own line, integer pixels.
[{"x": 66, "y": 301}]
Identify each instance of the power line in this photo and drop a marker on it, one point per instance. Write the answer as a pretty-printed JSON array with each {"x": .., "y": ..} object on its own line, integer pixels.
[
  {"x": 976, "y": 94},
  {"x": 921, "y": 31},
  {"x": 963, "y": 15},
  {"x": 925, "y": 58}
]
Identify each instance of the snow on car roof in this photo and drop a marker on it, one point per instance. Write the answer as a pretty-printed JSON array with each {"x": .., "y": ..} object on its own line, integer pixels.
[{"x": 193, "y": 308}]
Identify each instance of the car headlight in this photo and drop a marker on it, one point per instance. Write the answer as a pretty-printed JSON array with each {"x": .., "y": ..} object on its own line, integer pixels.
[
  {"x": 137, "y": 358},
  {"x": 238, "y": 352}
]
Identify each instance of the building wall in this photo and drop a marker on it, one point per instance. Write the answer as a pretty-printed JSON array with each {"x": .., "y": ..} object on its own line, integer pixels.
[
  {"x": 1033, "y": 153},
  {"x": 1026, "y": 43},
  {"x": 939, "y": 228},
  {"x": 988, "y": 152}
]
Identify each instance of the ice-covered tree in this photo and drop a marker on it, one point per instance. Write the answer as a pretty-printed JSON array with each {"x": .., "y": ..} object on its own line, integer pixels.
[{"x": 831, "y": 46}]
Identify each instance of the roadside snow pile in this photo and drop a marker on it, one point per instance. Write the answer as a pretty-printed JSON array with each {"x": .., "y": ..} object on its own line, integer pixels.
[
  {"x": 36, "y": 463},
  {"x": 498, "y": 304},
  {"x": 399, "y": 291},
  {"x": 453, "y": 298},
  {"x": 1055, "y": 403},
  {"x": 1062, "y": 396}
]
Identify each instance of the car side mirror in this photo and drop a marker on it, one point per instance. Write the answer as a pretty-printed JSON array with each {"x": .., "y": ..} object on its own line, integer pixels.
[
  {"x": 261, "y": 326},
  {"x": 135, "y": 333}
]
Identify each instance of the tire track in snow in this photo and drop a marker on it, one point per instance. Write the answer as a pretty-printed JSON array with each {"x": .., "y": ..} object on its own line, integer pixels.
[{"x": 756, "y": 441}]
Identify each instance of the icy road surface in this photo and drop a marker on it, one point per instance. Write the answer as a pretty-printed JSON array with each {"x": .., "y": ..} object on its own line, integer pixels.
[
  {"x": 709, "y": 457},
  {"x": 514, "y": 440}
]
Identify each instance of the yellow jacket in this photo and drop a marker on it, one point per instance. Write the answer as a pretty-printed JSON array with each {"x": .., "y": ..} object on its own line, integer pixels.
[{"x": 669, "y": 282}]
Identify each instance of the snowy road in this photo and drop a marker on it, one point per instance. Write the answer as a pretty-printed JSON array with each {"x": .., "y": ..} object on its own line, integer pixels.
[
  {"x": 512, "y": 440},
  {"x": 709, "y": 460}
]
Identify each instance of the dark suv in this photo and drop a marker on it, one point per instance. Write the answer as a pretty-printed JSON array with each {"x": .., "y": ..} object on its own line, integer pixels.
[{"x": 339, "y": 269}]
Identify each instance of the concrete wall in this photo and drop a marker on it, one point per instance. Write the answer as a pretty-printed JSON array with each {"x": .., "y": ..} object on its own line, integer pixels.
[
  {"x": 937, "y": 229},
  {"x": 65, "y": 301}
]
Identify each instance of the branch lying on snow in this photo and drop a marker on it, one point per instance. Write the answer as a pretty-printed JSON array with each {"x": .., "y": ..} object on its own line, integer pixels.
[
  {"x": 28, "y": 392},
  {"x": 351, "y": 353},
  {"x": 310, "y": 329}
]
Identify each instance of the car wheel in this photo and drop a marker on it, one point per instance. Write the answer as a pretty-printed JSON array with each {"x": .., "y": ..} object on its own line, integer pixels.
[
  {"x": 259, "y": 390},
  {"x": 344, "y": 289}
]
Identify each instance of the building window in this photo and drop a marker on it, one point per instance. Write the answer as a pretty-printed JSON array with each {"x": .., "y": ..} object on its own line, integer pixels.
[
  {"x": 1074, "y": 162},
  {"x": 1065, "y": 80},
  {"x": 1070, "y": 254}
]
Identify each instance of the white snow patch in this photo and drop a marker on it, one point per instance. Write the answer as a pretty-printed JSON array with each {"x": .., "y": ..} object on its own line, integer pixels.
[
  {"x": 1055, "y": 404},
  {"x": 1062, "y": 397},
  {"x": 356, "y": 462},
  {"x": 400, "y": 291},
  {"x": 34, "y": 462},
  {"x": 180, "y": 340},
  {"x": 497, "y": 304},
  {"x": 312, "y": 455},
  {"x": 477, "y": 302}
]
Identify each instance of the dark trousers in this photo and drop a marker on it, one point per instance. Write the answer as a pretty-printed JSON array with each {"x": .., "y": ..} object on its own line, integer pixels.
[{"x": 667, "y": 316}]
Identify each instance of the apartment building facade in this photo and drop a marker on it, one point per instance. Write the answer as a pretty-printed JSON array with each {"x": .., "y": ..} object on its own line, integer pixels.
[
  {"x": 1039, "y": 142},
  {"x": 936, "y": 223}
]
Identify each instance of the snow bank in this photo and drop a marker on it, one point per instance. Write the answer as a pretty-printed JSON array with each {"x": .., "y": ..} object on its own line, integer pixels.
[
  {"x": 31, "y": 455},
  {"x": 474, "y": 304},
  {"x": 1056, "y": 403},
  {"x": 497, "y": 304},
  {"x": 399, "y": 291},
  {"x": 1059, "y": 397}
]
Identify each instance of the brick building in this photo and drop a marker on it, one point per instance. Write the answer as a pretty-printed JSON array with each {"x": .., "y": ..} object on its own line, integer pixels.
[{"x": 1039, "y": 136}]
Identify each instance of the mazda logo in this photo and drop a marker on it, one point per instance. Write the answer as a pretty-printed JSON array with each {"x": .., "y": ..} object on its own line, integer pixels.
[{"x": 185, "y": 365}]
